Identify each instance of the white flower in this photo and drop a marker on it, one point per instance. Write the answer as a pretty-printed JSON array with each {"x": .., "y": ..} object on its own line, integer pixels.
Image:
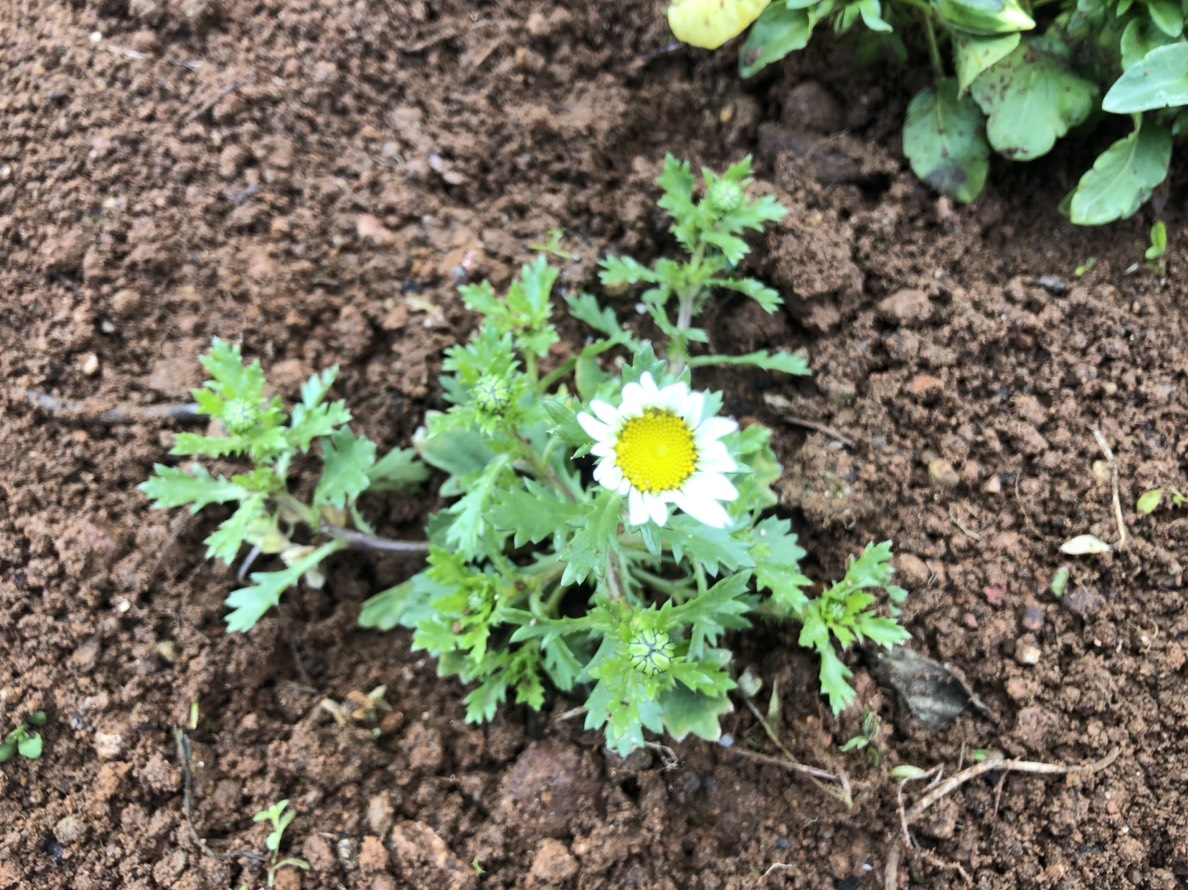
[{"x": 657, "y": 449}]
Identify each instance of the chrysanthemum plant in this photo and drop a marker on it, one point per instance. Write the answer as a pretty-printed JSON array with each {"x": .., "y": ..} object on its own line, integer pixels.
[{"x": 608, "y": 526}]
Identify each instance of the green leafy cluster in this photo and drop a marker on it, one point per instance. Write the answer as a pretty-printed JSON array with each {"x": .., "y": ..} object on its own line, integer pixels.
[
  {"x": 25, "y": 740},
  {"x": 1016, "y": 88},
  {"x": 267, "y": 516},
  {"x": 534, "y": 577}
]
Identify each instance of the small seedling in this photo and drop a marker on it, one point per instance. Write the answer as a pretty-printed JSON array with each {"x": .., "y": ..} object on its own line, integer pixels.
[
  {"x": 1149, "y": 501},
  {"x": 1085, "y": 268},
  {"x": 867, "y": 739},
  {"x": 268, "y": 517},
  {"x": 552, "y": 246},
  {"x": 1158, "y": 244},
  {"x": 279, "y": 817},
  {"x": 24, "y": 740}
]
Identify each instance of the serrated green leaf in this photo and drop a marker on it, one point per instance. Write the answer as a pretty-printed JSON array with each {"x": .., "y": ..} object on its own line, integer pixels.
[
  {"x": 195, "y": 488},
  {"x": 1031, "y": 99},
  {"x": 716, "y": 549},
  {"x": 1160, "y": 80},
  {"x": 224, "y": 542},
  {"x": 533, "y": 513},
  {"x": 397, "y": 469},
  {"x": 776, "y": 33},
  {"x": 232, "y": 379},
  {"x": 723, "y": 607},
  {"x": 834, "y": 677},
  {"x": 484, "y": 700},
  {"x": 586, "y": 309},
  {"x": 687, "y": 712},
  {"x": 346, "y": 461},
  {"x": 767, "y": 297},
  {"x": 1123, "y": 177},
  {"x": 195, "y": 445},
  {"x": 944, "y": 141},
  {"x": 974, "y": 54},
  {"x": 458, "y": 452},
  {"x": 566, "y": 426},
  {"x": 785, "y": 362},
  {"x": 594, "y": 540},
  {"x": 469, "y": 511},
  {"x": 248, "y": 604},
  {"x": 617, "y": 271}
]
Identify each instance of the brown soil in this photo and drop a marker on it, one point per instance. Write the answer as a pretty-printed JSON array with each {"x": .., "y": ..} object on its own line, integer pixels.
[{"x": 313, "y": 180}]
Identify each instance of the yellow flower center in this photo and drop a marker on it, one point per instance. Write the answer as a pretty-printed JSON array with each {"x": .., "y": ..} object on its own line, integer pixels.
[{"x": 656, "y": 452}]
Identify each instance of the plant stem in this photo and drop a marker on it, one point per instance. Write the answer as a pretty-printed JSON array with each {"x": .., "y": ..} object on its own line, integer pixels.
[{"x": 362, "y": 541}]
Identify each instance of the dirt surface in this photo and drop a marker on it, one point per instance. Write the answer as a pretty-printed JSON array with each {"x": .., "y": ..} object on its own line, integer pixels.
[{"x": 313, "y": 180}]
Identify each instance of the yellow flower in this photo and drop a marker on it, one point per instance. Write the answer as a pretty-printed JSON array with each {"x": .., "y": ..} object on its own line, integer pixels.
[
  {"x": 657, "y": 449},
  {"x": 710, "y": 23}
]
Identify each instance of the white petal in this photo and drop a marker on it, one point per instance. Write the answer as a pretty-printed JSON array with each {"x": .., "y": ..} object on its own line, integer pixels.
[
  {"x": 714, "y": 458},
  {"x": 709, "y": 512},
  {"x": 606, "y": 412},
  {"x": 637, "y": 513},
  {"x": 607, "y": 473},
  {"x": 657, "y": 509},
  {"x": 603, "y": 449},
  {"x": 633, "y": 401},
  {"x": 715, "y": 428},
  {"x": 711, "y": 486},
  {"x": 648, "y": 383},
  {"x": 595, "y": 429},
  {"x": 693, "y": 408}
]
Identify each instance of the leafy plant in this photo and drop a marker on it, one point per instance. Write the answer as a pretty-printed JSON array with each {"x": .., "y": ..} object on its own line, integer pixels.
[
  {"x": 627, "y": 582},
  {"x": 867, "y": 739},
  {"x": 279, "y": 817},
  {"x": 268, "y": 517},
  {"x": 1011, "y": 85},
  {"x": 606, "y": 527},
  {"x": 25, "y": 740}
]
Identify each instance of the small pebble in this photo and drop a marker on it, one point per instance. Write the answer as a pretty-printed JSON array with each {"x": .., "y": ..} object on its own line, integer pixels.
[
  {"x": 1033, "y": 618},
  {"x": 90, "y": 364},
  {"x": 1026, "y": 651},
  {"x": 942, "y": 473}
]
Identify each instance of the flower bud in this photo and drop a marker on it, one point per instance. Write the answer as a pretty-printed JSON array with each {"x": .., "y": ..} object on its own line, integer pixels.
[
  {"x": 239, "y": 416},
  {"x": 724, "y": 196},
  {"x": 492, "y": 394},
  {"x": 650, "y": 652}
]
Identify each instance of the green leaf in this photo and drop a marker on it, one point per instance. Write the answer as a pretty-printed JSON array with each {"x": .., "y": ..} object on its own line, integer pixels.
[
  {"x": 1031, "y": 99},
  {"x": 712, "y": 613},
  {"x": 231, "y": 378},
  {"x": 346, "y": 462},
  {"x": 787, "y": 362},
  {"x": 30, "y": 747},
  {"x": 397, "y": 469},
  {"x": 777, "y": 32},
  {"x": 566, "y": 426},
  {"x": 533, "y": 513},
  {"x": 1168, "y": 17},
  {"x": 596, "y": 537},
  {"x": 1138, "y": 39},
  {"x": 225, "y": 542},
  {"x": 617, "y": 271},
  {"x": 308, "y": 424},
  {"x": 459, "y": 452},
  {"x": 469, "y": 511},
  {"x": 196, "y": 488},
  {"x": 1160, "y": 80},
  {"x": 687, "y": 712},
  {"x": 872, "y": 16},
  {"x": 767, "y": 297},
  {"x": 1149, "y": 501},
  {"x": 777, "y": 558},
  {"x": 1123, "y": 177},
  {"x": 984, "y": 17},
  {"x": 834, "y": 678},
  {"x": 408, "y": 604},
  {"x": 248, "y": 604},
  {"x": 8, "y": 749},
  {"x": 715, "y": 549},
  {"x": 943, "y": 140},
  {"x": 974, "y": 54}
]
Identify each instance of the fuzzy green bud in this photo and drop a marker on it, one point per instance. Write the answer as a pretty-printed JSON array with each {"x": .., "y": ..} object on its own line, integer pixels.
[
  {"x": 239, "y": 416},
  {"x": 492, "y": 394},
  {"x": 650, "y": 652},
  {"x": 725, "y": 196}
]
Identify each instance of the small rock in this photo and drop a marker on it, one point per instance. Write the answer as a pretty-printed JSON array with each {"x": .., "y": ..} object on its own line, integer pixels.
[
  {"x": 89, "y": 364},
  {"x": 380, "y": 814},
  {"x": 942, "y": 473},
  {"x": 1083, "y": 601},
  {"x": 912, "y": 570},
  {"x": 125, "y": 302},
  {"x": 1033, "y": 618},
  {"x": 905, "y": 307},
  {"x": 68, "y": 830},
  {"x": 924, "y": 385},
  {"x": 425, "y": 860},
  {"x": 109, "y": 745},
  {"x": 1026, "y": 650},
  {"x": 553, "y": 864},
  {"x": 373, "y": 856},
  {"x": 993, "y": 485},
  {"x": 370, "y": 228},
  {"x": 809, "y": 106}
]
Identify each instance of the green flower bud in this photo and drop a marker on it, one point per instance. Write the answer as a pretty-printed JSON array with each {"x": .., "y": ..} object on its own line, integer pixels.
[
  {"x": 725, "y": 196},
  {"x": 651, "y": 652},
  {"x": 492, "y": 394},
  {"x": 239, "y": 416}
]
